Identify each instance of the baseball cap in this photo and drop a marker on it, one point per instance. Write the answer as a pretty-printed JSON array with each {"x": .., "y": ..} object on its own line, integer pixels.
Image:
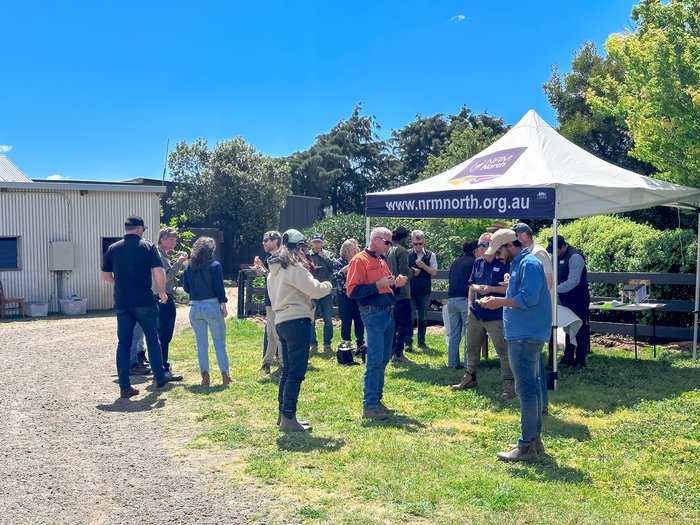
[
  {"x": 498, "y": 239},
  {"x": 317, "y": 237},
  {"x": 134, "y": 220},
  {"x": 521, "y": 227},
  {"x": 293, "y": 237}
]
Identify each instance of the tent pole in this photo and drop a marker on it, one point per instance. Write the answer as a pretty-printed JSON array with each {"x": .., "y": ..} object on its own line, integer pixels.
[
  {"x": 555, "y": 321},
  {"x": 367, "y": 231},
  {"x": 697, "y": 293}
]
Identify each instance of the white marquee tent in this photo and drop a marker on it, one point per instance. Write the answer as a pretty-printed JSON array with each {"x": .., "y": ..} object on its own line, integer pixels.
[{"x": 532, "y": 172}]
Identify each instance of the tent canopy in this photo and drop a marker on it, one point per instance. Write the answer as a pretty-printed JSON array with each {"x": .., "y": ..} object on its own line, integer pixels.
[{"x": 531, "y": 172}]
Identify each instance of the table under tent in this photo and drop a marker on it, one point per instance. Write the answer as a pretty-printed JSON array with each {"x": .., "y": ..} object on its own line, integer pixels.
[{"x": 532, "y": 172}]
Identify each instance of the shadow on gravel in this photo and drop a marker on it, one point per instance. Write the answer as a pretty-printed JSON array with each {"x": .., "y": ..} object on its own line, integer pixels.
[
  {"x": 304, "y": 442},
  {"x": 141, "y": 404}
]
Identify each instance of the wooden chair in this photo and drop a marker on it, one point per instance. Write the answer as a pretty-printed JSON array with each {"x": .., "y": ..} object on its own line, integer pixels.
[{"x": 10, "y": 303}]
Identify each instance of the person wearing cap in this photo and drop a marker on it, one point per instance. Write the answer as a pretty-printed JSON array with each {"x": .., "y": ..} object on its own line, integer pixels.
[
  {"x": 167, "y": 240},
  {"x": 271, "y": 243},
  {"x": 457, "y": 308},
  {"x": 397, "y": 260},
  {"x": 525, "y": 236},
  {"x": 423, "y": 267},
  {"x": 487, "y": 278},
  {"x": 323, "y": 261},
  {"x": 527, "y": 323},
  {"x": 371, "y": 283},
  {"x": 292, "y": 288},
  {"x": 572, "y": 289},
  {"x": 130, "y": 264}
]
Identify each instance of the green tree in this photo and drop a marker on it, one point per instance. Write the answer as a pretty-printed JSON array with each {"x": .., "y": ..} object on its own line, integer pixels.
[
  {"x": 232, "y": 187},
  {"x": 657, "y": 93},
  {"x": 344, "y": 165}
]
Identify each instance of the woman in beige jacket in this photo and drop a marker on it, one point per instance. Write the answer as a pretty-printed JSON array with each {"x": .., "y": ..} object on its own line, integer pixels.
[{"x": 291, "y": 288}]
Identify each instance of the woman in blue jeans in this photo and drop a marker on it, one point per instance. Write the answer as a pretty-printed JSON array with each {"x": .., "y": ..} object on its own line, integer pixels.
[
  {"x": 203, "y": 279},
  {"x": 291, "y": 288}
]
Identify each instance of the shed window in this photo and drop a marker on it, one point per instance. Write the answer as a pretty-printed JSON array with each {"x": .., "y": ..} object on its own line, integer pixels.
[{"x": 9, "y": 253}]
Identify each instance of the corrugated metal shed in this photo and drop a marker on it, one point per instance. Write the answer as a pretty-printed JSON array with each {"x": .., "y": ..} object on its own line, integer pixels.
[
  {"x": 84, "y": 214},
  {"x": 11, "y": 173}
]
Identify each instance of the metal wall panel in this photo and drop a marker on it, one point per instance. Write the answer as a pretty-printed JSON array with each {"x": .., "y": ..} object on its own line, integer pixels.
[{"x": 39, "y": 217}]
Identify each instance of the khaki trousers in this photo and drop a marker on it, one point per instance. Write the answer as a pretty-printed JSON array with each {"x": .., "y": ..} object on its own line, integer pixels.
[
  {"x": 273, "y": 341},
  {"x": 475, "y": 335}
]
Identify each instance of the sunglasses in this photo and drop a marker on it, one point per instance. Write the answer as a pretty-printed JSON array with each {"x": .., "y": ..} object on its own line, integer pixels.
[
  {"x": 484, "y": 244},
  {"x": 266, "y": 239},
  {"x": 387, "y": 243},
  {"x": 417, "y": 244}
]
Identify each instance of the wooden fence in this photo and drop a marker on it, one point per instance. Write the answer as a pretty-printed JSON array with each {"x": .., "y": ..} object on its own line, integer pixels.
[{"x": 250, "y": 302}]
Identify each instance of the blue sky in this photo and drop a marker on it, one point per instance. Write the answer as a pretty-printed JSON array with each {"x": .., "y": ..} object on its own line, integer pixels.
[{"x": 92, "y": 90}]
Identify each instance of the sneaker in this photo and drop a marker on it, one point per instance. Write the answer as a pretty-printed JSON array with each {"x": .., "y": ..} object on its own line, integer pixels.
[
  {"x": 468, "y": 382},
  {"x": 376, "y": 414},
  {"x": 527, "y": 453},
  {"x": 265, "y": 368},
  {"x": 139, "y": 370},
  {"x": 508, "y": 389},
  {"x": 126, "y": 393}
]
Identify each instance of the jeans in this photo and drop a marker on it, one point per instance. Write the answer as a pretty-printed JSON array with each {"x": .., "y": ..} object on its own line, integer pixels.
[
  {"x": 419, "y": 312},
  {"x": 402, "y": 322},
  {"x": 349, "y": 312},
  {"x": 207, "y": 314},
  {"x": 379, "y": 325},
  {"x": 324, "y": 309},
  {"x": 525, "y": 358},
  {"x": 458, "y": 314},
  {"x": 166, "y": 327},
  {"x": 147, "y": 317},
  {"x": 273, "y": 341},
  {"x": 475, "y": 336},
  {"x": 294, "y": 337},
  {"x": 136, "y": 344}
]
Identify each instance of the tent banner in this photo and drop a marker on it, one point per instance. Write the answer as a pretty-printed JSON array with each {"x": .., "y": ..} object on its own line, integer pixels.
[{"x": 521, "y": 203}]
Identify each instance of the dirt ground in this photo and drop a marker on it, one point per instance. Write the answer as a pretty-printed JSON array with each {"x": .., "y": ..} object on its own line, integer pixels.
[{"x": 72, "y": 452}]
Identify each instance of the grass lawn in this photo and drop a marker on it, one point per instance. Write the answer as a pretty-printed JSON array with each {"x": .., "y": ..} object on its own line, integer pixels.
[{"x": 622, "y": 439}]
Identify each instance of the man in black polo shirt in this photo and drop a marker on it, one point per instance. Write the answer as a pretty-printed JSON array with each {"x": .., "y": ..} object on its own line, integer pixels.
[{"x": 129, "y": 265}]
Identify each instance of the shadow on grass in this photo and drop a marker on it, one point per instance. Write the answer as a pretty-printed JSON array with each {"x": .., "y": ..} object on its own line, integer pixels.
[
  {"x": 548, "y": 470},
  {"x": 211, "y": 389},
  {"x": 307, "y": 442},
  {"x": 554, "y": 426},
  {"x": 401, "y": 421},
  {"x": 611, "y": 382}
]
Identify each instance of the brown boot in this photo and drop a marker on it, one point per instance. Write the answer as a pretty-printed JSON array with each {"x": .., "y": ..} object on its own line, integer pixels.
[
  {"x": 205, "y": 378},
  {"x": 327, "y": 348},
  {"x": 313, "y": 349},
  {"x": 292, "y": 425},
  {"x": 508, "y": 389},
  {"x": 225, "y": 378},
  {"x": 275, "y": 374},
  {"x": 302, "y": 423},
  {"x": 539, "y": 444},
  {"x": 467, "y": 383},
  {"x": 374, "y": 413},
  {"x": 527, "y": 453}
]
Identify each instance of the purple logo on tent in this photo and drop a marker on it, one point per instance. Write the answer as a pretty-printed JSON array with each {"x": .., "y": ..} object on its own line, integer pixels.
[{"x": 488, "y": 166}]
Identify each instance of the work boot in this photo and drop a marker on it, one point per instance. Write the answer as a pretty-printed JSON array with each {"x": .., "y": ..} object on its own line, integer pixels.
[
  {"x": 292, "y": 425},
  {"x": 467, "y": 383},
  {"x": 313, "y": 349},
  {"x": 225, "y": 378},
  {"x": 508, "y": 388},
  {"x": 126, "y": 393},
  {"x": 302, "y": 423},
  {"x": 376, "y": 414},
  {"x": 539, "y": 445},
  {"x": 526, "y": 453},
  {"x": 205, "y": 379},
  {"x": 327, "y": 348},
  {"x": 386, "y": 409},
  {"x": 401, "y": 358},
  {"x": 275, "y": 374}
]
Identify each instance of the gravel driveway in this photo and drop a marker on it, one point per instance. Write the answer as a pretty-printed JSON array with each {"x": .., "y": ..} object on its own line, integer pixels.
[{"x": 72, "y": 452}]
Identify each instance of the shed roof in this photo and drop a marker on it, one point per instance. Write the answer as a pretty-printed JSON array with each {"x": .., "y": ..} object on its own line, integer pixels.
[{"x": 11, "y": 173}]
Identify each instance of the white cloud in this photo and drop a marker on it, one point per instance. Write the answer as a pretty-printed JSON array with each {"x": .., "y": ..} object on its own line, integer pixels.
[
  {"x": 458, "y": 18},
  {"x": 56, "y": 176},
  {"x": 5, "y": 148}
]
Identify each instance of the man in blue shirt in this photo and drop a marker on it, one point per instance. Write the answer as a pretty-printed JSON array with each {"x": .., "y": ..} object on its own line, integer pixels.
[
  {"x": 527, "y": 322},
  {"x": 486, "y": 279}
]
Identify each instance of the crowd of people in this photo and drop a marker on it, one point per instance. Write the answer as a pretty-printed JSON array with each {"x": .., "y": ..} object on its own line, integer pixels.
[{"x": 500, "y": 288}]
